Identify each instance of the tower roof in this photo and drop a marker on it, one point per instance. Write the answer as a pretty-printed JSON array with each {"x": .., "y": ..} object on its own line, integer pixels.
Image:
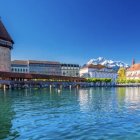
[{"x": 4, "y": 34}]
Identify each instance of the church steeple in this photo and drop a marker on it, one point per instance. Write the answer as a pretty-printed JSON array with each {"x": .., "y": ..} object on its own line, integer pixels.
[
  {"x": 5, "y": 38},
  {"x": 133, "y": 61}
]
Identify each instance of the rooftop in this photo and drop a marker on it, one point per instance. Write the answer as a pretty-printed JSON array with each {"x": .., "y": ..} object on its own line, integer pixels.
[
  {"x": 42, "y": 62},
  {"x": 25, "y": 62},
  {"x": 134, "y": 67},
  {"x": 19, "y": 62},
  {"x": 4, "y": 35},
  {"x": 10, "y": 75},
  {"x": 98, "y": 66}
]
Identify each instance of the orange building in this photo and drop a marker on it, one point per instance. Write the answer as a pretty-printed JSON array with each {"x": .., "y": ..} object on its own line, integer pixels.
[{"x": 133, "y": 72}]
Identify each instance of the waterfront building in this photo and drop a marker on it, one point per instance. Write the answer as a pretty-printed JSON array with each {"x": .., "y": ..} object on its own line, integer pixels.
[
  {"x": 36, "y": 67},
  {"x": 6, "y": 44},
  {"x": 70, "y": 70},
  {"x": 20, "y": 66},
  {"x": 133, "y": 72},
  {"x": 97, "y": 71},
  {"x": 45, "y": 67}
]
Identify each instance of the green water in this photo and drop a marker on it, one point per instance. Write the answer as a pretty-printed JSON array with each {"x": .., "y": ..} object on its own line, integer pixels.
[{"x": 77, "y": 114}]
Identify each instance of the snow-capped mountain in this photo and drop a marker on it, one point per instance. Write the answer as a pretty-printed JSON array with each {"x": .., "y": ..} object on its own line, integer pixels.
[{"x": 108, "y": 63}]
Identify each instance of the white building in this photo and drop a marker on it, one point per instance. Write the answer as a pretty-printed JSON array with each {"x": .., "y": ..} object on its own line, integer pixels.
[
  {"x": 70, "y": 70},
  {"x": 97, "y": 71},
  {"x": 45, "y": 67},
  {"x": 36, "y": 67},
  {"x": 20, "y": 66}
]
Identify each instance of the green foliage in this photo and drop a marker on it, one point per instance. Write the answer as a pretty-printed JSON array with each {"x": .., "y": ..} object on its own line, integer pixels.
[
  {"x": 127, "y": 81},
  {"x": 100, "y": 80}
]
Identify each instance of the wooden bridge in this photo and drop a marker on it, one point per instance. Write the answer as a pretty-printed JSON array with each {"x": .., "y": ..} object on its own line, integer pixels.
[{"x": 22, "y": 80}]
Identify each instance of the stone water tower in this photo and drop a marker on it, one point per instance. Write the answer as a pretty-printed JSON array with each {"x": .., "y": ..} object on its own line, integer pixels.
[{"x": 6, "y": 44}]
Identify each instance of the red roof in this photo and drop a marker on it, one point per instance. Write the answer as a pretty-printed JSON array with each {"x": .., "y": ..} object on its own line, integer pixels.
[
  {"x": 134, "y": 67},
  {"x": 99, "y": 66}
]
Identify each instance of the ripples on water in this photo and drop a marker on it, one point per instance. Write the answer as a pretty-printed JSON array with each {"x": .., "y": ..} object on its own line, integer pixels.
[{"x": 84, "y": 114}]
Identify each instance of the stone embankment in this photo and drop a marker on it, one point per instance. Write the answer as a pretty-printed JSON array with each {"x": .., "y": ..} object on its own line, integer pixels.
[{"x": 128, "y": 85}]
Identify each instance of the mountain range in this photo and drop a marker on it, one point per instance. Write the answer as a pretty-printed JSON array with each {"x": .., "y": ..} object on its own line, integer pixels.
[{"x": 108, "y": 63}]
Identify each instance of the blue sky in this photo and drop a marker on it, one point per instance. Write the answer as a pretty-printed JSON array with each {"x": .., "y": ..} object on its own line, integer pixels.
[{"x": 73, "y": 31}]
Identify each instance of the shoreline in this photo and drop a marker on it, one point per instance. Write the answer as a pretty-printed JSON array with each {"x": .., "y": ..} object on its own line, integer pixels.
[{"x": 53, "y": 86}]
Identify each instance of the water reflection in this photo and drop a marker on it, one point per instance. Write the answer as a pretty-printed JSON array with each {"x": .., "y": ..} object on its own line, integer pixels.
[
  {"x": 84, "y": 99},
  {"x": 129, "y": 96},
  {"x": 106, "y": 96},
  {"x": 99, "y": 99},
  {"x": 132, "y": 95},
  {"x": 6, "y": 115}
]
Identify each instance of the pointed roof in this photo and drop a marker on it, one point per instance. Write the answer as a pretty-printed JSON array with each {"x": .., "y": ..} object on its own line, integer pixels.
[{"x": 4, "y": 34}]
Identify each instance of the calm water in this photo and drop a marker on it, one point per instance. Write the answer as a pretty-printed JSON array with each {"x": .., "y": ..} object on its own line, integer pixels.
[{"x": 84, "y": 114}]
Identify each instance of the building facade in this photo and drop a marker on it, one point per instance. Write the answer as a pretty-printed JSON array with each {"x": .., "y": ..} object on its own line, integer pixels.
[
  {"x": 97, "y": 71},
  {"x": 6, "y": 44},
  {"x": 36, "y": 67},
  {"x": 20, "y": 66},
  {"x": 70, "y": 70},
  {"x": 45, "y": 67},
  {"x": 133, "y": 72}
]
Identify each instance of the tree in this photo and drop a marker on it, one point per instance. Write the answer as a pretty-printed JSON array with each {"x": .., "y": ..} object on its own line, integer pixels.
[{"x": 122, "y": 73}]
